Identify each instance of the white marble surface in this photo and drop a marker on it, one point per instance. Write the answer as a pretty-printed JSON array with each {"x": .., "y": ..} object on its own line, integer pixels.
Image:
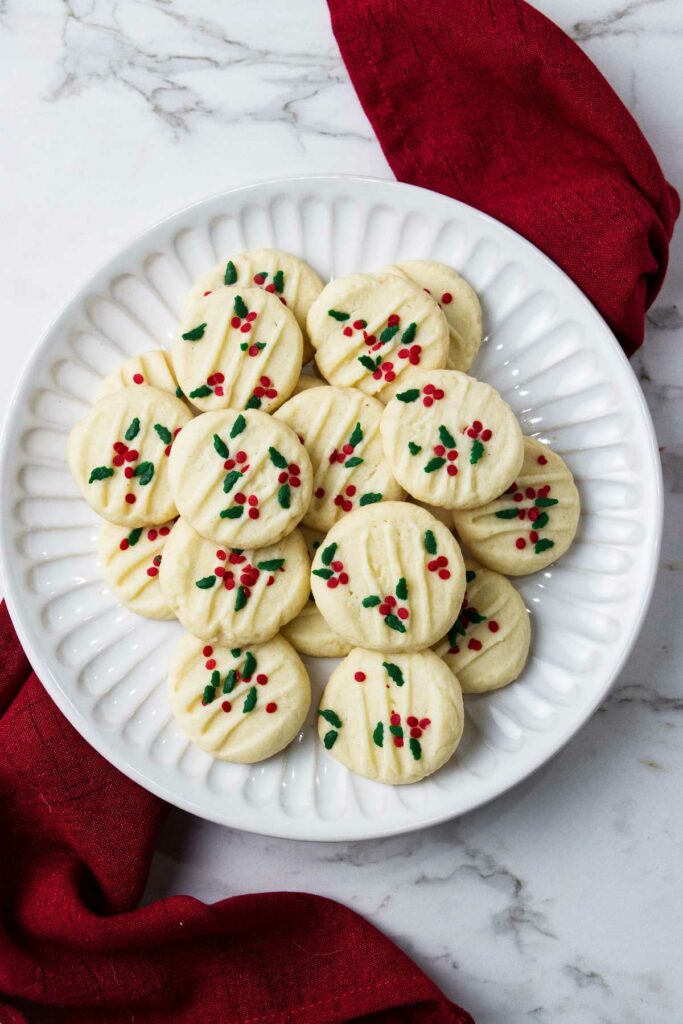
[{"x": 562, "y": 901}]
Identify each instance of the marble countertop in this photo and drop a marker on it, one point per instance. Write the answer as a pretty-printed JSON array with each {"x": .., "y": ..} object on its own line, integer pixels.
[{"x": 561, "y": 901}]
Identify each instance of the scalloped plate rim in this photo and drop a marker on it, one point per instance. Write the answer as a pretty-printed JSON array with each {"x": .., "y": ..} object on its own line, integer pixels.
[{"x": 106, "y": 744}]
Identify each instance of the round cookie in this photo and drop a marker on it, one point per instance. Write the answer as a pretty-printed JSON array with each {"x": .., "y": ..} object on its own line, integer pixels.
[
  {"x": 488, "y": 644},
  {"x": 308, "y": 633},
  {"x": 393, "y": 718},
  {"x": 239, "y": 705},
  {"x": 151, "y": 368},
  {"x": 389, "y": 577},
  {"x": 459, "y": 302},
  {"x": 374, "y": 332},
  {"x": 241, "y": 479},
  {"x": 119, "y": 455},
  {"x": 131, "y": 561},
  {"x": 237, "y": 348},
  {"x": 340, "y": 429},
  {"x": 451, "y": 440},
  {"x": 234, "y": 595},
  {"x": 533, "y": 523},
  {"x": 292, "y": 280}
]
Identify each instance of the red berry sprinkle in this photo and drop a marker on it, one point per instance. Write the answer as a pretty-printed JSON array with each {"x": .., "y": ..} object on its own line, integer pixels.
[
  {"x": 493, "y": 626},
  {"x": 360, "y": 677},
  {"x": 211, "y": 664},
  {"x": 520, "y": 543},
  {"x": 262, "y": 679},
  {"x": 207, "y": 651},
  {"x": 446, "y": 298},
  {"x": 542, "y": 460},
  {"x": 393, "y": 320},
  {"x": 138, "y": 378},
  {"x": 271, "y": 707},
  {"x": 130, "y": 499},
  {"x": 124, "y": 545},
  {"x": 474, "y": 645},
  {"x": 320, "y": 492},
  {"x": 226, "y": 705}
]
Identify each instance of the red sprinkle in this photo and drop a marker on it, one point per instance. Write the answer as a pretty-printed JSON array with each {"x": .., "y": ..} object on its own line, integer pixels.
[
  {"x": 211, "y": 664},
  {"x": 226, "y": 705},
  {"x": 152, "y": 571},
  {"x": 520, "y": 543},
  {"x": 493, "y": 626},
  {"x": 446, "y": 298},
  {"x": 138, "y": 378},
  {"x": 320, "y": 492},
  {"x": 360, "y": 677},
  {"x": 262, "y": 679},
  {"x": 474, "y": 645},
  {"x": 270, "y": 708},
  {"x": 124, "y": 545},
  {"x": 541, "y": 460},
  {"x": 130, "y": 499}
]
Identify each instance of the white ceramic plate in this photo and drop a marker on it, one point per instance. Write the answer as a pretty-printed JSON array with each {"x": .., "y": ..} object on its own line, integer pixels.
[{"x": 547, "y": 351}]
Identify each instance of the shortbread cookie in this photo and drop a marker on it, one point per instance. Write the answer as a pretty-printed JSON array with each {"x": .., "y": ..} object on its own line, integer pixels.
[
  {"x": 389, "y": 577},
  {"x": 394, "y": 718},
  {"x": 292, "y": 280},
  {"x": 154, "y": 369},
  {"x": 339, "y": 428},
  {"x": 241, "y": 479},
  {"x": 237, "y": 348},
  {"x": 451, "y": 440},
  {"x": 233, "y": 595},
  {"x": 131, "y": 562},
  {"x": 374, "y": 332},
  {"x": 456, "y": 298},
  {"x": 119, "y": 455},
  {"x": 308, "y": 633},
  {"x": 307, "y": 381},
  {"x": 488, "y": 644},
  {"x": 532, "y": 524},
  {"x": 240, "y": 704}
]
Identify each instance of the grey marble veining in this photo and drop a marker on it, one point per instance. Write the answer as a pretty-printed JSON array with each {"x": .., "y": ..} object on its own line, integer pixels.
[{"x": 559, "y": 903}]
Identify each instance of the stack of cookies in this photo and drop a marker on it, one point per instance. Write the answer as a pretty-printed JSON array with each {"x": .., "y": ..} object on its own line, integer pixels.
[{"x": 278, "y": 514}]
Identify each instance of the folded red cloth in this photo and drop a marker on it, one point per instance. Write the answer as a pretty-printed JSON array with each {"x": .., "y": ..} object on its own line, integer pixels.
[
  {"x": 76, "y": 841},
  {"x": 489, "y": 102}
]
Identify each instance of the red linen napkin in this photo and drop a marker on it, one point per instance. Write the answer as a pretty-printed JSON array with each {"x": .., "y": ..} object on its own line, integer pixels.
[
  {"x": 489, "y": 102},
  {"x": 76, "y": 840}
]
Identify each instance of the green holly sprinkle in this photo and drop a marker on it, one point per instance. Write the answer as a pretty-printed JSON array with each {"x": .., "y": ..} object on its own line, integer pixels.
[
  {"x": 436, "y": 463},
  {"x": 545, "y": 502},
  {"x": 253, "y": 403},
  {"x": 470, "y": 575},
  {"x": 232, "y": 513},
  {"x": 279, "y": 281},
  {"x": 331, "y": 716},
  {"x": 446, "y": 437},
  {"x": 324, "y": 574},
  {"x": 370, "y": 499},
  {"x": 133, "y": 430},
  {"x": 230, "y": 681},
  {"x": 209, "y": 694},
  {"x": 277, "y": 458},
  {"x": 195, "y": 334},
  {"x": 430, "y": 542},
  {"x": 541, "y": 521},
  {"x": 394, "y": 673},
  {"x": 413, "y": 448},
  {"x": 205, "y": 583},
  {"x": 371, "y": 602},
  {"x": 543, "y": 545},
  {"x": 240, "y": 599},
  {"x": 249, "y": 666},
  {"x": 394, "y": 623},
  {"x": 144, "y": 471},
  {"x": 337, "y": 315},
  {"x": 354, "y": 461},
  {"x": 284, "y": 496},
  {"x": 388, "y": 333},
  {"x": 411, "y": 395},
  {"x": 402, "y": 589},
  {"x": 240, "y": 306},
  {"x": 415, "y": 749},
  {"x": 179, "y": 392},
  {"x": 134, "y": 536},
  {"x": 221, "y": 447},
  {"x": 409, "y": 334},
  {"x": 476, "y": 452},
  {"x": 231, "y": 479},
  {"x": 356, "y": 435},
  {"x": 328, "y": 554},
  {"x": 203, "y": 391},
  {"x": 100, "y": 473},
  {"x": 369, "y": 364},
  {"x": 238, "y": 426},
  {"x": 329, "y": 739},
  {"x": 164, "y": 433},
  {"x": 249, "y": 701},
  {"x": 230, "y": 275},
  {"x": 378, "y": 734},
  {"x": 270, "y": 564},
  {"x": 507, "y": 513}
]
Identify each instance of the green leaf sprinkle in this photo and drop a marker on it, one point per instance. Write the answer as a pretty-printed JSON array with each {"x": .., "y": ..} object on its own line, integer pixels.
[
  {"x": 411, "y": 395},
  {"x": 336, "y": 315},
  {"x": 329, "y": 739},
  {"x": 543, "y": 545},
  {"x": 134, "y": 536},
  {"x": 231, "y": 479},
  {"x": 396, "y": 730},
  {"x": 240, "y": 599},
  {"x": 240, "y": 306},
  {"x": 144, "y": 471},
  {"x": 230, "y": 275},
  {"x": 369, "y": 364},
  {"x": 507, "y": 513},
  {"x": 249, "y": 666},
  {"x": 324, "y": 574},
  {"x": 370, "y": 498},
  {"x": 409, "y": 334},
  {"x": 238, "y": 426},
  {"x": 164, "y": 433},
  {"x": 545, "y": 502},
  {"x": 415, "y": 748},
  {"x": 456, "y": 630},
  {"x": 394, "y": 672},
  {"x": 446, "y": 437},
  {"x": 470, "y": 575},
  {"x": 356, "y": 435},
  {"x": 472, "y": 615},
  {"x": 284, "y": 496},
  {"x": 378, "y": 734},
  {"x": 354, "y": 461},
  {"x": 235, "y": 651},
  {"x": 195, "y": 334},
  {"x": 253, "y": 403},
  {"x": 215, "y": 677},
  {"x": 100, "y": 473},
  {"x": 476, "y": 452},
  {"x": 205, "y": 583},
  {"x": 133, "y": 430},
  {"x": 249, "y": 701},
  {"x": 402, "y": 589},
  {"x": 179, "y": 393},
  {"x": 270, "y": 564},
  {"x": 232, "y": 513},
  {"x": 221, "y": 447},
  {"x": 279, "y": 281},
  {"x": 230, "y": 681},
  {"x": 203, "y": 391},
  {"x": 541, "y": 521},
  {"x": 371, "y": 602},
  {"x": 395, "y": 623},
  {"x": 328, "y": 554},
  {"x": 413, "y": 448},
  {"x": 388, "y": 333},
  {"x": 277, "y": 458},
  {"x": 331, "y": 716},
  {"x": 209, "y": 694},
  {"x": 436, "y": 463},
  {"x": 430, "y": 542}
]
